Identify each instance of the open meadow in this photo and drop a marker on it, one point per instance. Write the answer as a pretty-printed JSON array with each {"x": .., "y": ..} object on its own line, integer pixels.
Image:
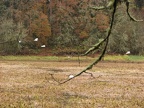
[{"x": 29, "y": 84}]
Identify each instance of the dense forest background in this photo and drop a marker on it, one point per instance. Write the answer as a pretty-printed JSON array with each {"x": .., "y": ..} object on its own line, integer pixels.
[{"x": 67, "y": 27}]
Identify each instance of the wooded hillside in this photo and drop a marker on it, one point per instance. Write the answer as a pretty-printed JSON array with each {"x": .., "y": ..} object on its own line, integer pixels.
[{"x": 67, "y": 26}]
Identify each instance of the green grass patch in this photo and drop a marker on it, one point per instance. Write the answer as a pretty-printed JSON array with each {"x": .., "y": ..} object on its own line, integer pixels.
[
  {"x": 44, "y": 58},
  {"x": 134, "y": 58},
  {"x": 114, "y": 58},
  {"x": 27, "y": 58},
  {"x": 110, "y": 58},
  {"x": 124, "y": 58}
]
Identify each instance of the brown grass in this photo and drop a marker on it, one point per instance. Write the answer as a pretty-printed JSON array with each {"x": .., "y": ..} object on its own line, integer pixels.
[{"x": 28, "y": 84}]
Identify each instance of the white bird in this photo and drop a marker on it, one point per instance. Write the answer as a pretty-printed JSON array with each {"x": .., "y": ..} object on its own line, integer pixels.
[
  {"x": 68, "y": 57},
  {"x": 20, "y": 41},
  {"x": 128, "y": 52},
  {"x": 36, "y": 39},
  {"x": 71, "y": 76},
  {"x": 43, "y": 46}
]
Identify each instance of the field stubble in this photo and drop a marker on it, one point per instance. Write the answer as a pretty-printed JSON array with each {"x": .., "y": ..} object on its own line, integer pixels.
[{"x": 28, "y": 84}]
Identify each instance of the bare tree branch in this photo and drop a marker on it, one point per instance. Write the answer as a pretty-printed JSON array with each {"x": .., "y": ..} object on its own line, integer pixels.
[
  {"x": 131, "y": 17},
  {"x": 113, "y": 4},
  {"x": 106, "y": 40},
  {"x": 109, "y": 5}
]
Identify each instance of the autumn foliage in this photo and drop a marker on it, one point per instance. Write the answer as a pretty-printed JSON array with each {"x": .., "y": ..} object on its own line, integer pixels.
[
  {"x": 40, "y": 28},
  {"x": 102, "y": 21},
  {"x": 59, "y": 23}
]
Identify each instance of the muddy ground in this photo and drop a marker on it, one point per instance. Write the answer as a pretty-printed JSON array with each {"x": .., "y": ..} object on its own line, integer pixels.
[{"x": 29, "y": 84}]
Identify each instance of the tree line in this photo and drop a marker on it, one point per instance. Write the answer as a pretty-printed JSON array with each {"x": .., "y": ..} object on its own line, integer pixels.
[{"x": 68, "y": 26}]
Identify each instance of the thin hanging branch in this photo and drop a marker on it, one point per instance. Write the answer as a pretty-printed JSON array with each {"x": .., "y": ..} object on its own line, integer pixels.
[
  {"x": 112, "y": 4},
  {"x": 128, "y": 13},
  {"x": 104, "y": 41}
]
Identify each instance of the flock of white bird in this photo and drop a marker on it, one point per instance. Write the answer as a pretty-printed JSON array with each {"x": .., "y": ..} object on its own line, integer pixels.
[
  {"x": 36, "y": 39},
  {"x": 70, "y": 76},
  {"x": 43, "y": 46}
]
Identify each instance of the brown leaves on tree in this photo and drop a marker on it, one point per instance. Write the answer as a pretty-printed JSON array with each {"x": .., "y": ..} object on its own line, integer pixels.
[
  {"x": 40, "y": 28},
  {"x": 102, "y": 21}
]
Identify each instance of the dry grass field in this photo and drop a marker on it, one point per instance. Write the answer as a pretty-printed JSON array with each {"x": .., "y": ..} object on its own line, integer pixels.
[{"x": 28, "y": 84}]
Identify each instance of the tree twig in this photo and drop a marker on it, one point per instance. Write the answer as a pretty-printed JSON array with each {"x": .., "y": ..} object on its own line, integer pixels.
[
  {"x": 106, "y": 40},
  {"x": 113, "y": 4},
  {"x": 128, "y": 13}
]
